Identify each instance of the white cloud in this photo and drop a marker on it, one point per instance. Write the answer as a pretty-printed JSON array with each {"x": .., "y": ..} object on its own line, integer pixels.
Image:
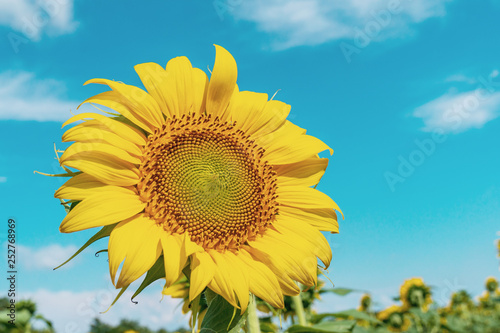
[
  {"x": 32, "y": 18},
  {"x": 3, "y": 179},
  {"x": 24, "y": 97},
  {"x": 312, "y": 22},
  {"x": 45, "y": 258},
  {"x": 455, "y": 113},
  {"x": 460, "y": 78},
  {"x": 74, "y": 311}
]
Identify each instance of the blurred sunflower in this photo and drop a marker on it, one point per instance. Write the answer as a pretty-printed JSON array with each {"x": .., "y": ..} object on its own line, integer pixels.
[
  {"x": 415, "y": 293},
  {"x": 215, "y": 179},
  {"x": 485, "y": 301},
  {"x": 364, "y": 306},
  {"x": 395, "y": 318},
  {"x": 365, "y": 303},
  {"x": 491, "y": 284},
  {"x": 460, "y": 302}
]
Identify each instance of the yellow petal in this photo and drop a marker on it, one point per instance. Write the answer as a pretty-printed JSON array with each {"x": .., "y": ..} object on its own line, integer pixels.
[
  {"x": 115, "y": 101},
  {"x": 200, "y": 89},
  {"x": 95, "y": 131},
  {"x": 287, "y": 285},
  {"x": 222, "y": 283},
  {"x": 180, "y": 89},
  {"x": 123, "y": 130},
  {"x": 287, "y": 129},
  {"x": 240, "y": 279},
  {"x": 245, "y": 108},
  {"x": 299, "y": 233},
  {"x": 222, "y": 83},
  {"x": 138, "y": 100},
  {"x": 285, "y": 257},
  {"x": 178, "y": 289},
  {"x": 189, "y": 247},
  {"x": 255, "y": 115},
  {"x": 307, "y": 172},
  {"x": 305, "y": 197},
  {"x": 103, "y": 208},
  {"x": 324, "y": 219},
  {"x": 179, "y": 84},
  {"x": 173, "y": 258},
  {"x": 154, "y": 77},
  {"x": 82, "y": 186},
  {"x": 202, "y": 272},
  {"x": 109, "y": 171},
  {"x": 293, "y": 148},
  {"x": 262, "y": 281},
  {"x": 137, "y": 240},
  {"x": 91, "y": 149}
]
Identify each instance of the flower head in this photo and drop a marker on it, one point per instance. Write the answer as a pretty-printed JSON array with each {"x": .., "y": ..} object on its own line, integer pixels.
[
  {"x": 491, "y": 284},
  {"x": 415, "y": 293},
  {"x": 204, "y": 177},
  {"x": 365, "y": 302},
  {"x": 395, "y": 318}
]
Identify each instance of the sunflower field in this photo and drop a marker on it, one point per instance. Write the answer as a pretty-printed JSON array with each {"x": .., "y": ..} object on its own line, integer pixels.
[
  {"x": 212, "y": 190},
  {"x": 197, "y": 164}
]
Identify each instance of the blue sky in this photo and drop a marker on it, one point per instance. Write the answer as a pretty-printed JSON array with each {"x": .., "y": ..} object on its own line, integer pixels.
[{"x": 407, "y": 94}]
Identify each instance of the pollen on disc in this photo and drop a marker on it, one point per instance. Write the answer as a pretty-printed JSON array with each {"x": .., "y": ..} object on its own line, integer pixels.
[{"x": 205, "y": 177}]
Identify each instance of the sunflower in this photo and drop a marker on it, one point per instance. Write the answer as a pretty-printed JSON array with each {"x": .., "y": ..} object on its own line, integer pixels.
[
  {"x": 485, "y": 301},
  {"x": 207, "y": 177},
  {"x": 364, "y": 303},
  {"x": 395, "y": 318},
  {"x": 415, "y": 293},
  {"x": 460, "y": 302},
  {"x": 491, "y": 284}
]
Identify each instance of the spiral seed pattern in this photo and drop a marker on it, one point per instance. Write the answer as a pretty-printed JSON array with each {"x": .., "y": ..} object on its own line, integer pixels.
[{"x": 207, "y": 178}]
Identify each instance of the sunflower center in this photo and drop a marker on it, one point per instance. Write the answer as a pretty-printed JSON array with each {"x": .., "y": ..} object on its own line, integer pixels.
[{"x": 205, "y": 177}]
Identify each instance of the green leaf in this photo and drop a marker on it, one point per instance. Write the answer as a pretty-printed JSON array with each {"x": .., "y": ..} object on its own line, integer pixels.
[
  {"x": 22, "y": 317},
  {"x": 221, "y": 317},
  {"x": 267, "y": 327},
  {"x": 104, "y": 232},
  {"x": 340, "y": 291},
  {"x": 355, "y": 314},
  {"x": 46, "y": 321},
  {"x": 155, "y": 273},
  {"x": 341, "y": 326}
]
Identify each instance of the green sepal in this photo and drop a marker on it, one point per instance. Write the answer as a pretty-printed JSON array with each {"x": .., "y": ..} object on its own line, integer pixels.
[
  {"x": 104, "y": 232},
  {"x": 221, "y": 316},
  {"x": 342, "y": 326},
  {"x": 117, "y": 298},
  {"x": 156, "y": 272}
]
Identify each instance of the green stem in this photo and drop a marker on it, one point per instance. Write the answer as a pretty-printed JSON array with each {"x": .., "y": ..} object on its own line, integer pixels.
[
  {"x": 299, "y": 308},
  {"x": 418, "y": 323},
  {"x": 253, "y": 324}
]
